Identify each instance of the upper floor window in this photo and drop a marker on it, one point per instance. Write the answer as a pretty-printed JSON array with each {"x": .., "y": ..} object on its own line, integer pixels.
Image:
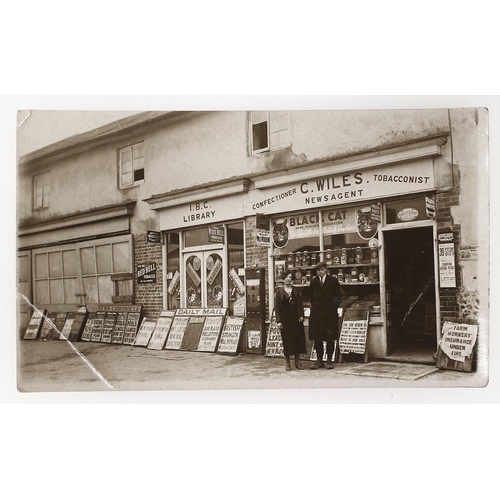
[
  {"x": 131, "y": 164},
  {"x": 41, "y": 191},
  {"x": 270, "y": 130}
]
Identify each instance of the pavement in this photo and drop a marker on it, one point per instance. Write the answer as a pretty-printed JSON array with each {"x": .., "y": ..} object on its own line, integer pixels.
[{"x": 89, "y": 367}]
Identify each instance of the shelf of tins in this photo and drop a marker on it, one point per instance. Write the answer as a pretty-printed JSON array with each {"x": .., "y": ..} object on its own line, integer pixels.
[{"x": 351, "y": 266}]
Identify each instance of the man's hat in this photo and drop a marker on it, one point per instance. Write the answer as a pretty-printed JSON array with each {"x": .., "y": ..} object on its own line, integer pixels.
[{"x": 320, "y": 264}]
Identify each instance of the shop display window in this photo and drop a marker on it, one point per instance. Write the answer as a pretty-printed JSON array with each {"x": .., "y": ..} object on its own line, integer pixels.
[{"x": 348, "y": 246}]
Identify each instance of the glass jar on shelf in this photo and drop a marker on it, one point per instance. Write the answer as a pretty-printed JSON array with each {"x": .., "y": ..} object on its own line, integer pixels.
[
  {"x": 354, "y": 275},
  {"x": 359, "y": 255},
  {"x": 314, "y": 259},
  {"x": 328, "y": 257},
  {"x": 298, "y": 259},
  {"x": 305, "y": 259},
  {"x": 336, "y": 256},
  {"x": 374, "y": 255},
  {"x": 340, "y": 276},
  {"x": 343, "y": 256},
  {"x": 289, "y": 260}
]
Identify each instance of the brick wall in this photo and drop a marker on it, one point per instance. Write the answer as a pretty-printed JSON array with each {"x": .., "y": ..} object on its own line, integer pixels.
[
  {"x": 149, "y": 295},
  {"x": 256, "y": 256},
  {"x": 448, "y": 297}
]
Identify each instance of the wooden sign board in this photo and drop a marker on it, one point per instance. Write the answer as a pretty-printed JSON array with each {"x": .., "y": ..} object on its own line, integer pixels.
[
  {"x": 456, "y": 347},
  {"x": 161, "y": 330},
  {"x": 78, "y": 324},
  {"x": 34, "y": 325},
  {"x": 231, "y": 334},
  {"x": 210, "y": 333},
  {"x": 133, "y": 319},
  {"x": 192, "y": 336},
  {"x": 47, "y": 326},
  {"x": 354, "y": 331},
  {"x": 98, "y": 326},
  {"x": 89, "y": 327},
  {"x": 177, "y": 331},
  {"x": 109, "y": 326},
  {"x": 274, "y": 344},
  {"x": 59, "y": 325},
  {"x": 119, "y": 331},
  {"x": 145, "y": 331}
]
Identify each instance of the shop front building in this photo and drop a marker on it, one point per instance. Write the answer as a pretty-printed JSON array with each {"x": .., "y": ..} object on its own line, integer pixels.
[
  {"x": 373, "y": 219},
  {"x": 387, "y": 199}
]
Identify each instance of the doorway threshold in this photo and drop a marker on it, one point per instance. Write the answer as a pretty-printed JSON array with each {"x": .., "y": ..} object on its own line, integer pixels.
[{"x": 395, "y": 358}]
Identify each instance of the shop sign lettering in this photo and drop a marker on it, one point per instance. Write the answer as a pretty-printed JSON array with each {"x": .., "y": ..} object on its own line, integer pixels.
[
  {"x": 146, "y": 273},
  {"x": 408, "y": 214},
  {"x": 339, "y": 188},
  {"x": 199, "y": 212},
  {"x": 458, "y": 340}
]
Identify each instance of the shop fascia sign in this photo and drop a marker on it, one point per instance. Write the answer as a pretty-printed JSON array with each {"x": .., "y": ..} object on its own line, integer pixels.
[{"x": 343, "y": 187}]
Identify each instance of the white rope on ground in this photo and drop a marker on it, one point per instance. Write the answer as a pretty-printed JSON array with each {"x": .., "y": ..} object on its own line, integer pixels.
[{"x": 85, "y": 360}]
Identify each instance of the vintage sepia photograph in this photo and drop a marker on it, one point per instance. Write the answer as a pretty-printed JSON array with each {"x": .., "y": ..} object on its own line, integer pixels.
[{"x": 202, "y": 249}]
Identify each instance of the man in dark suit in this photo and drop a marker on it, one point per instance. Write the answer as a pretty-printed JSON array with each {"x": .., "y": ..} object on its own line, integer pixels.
[{"x": 325, "y": 297}]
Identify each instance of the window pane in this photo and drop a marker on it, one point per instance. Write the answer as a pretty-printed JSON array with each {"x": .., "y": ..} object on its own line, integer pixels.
[
  {"x": 138, "y": 151},
  {"x": 69, "y": 263},
  {"x": 105, "y": 286},
  {"x": 42, "y": 292},
  {"x": 70, "y": 288},
  {"x": 125, "y": 155},
  {"x": 259, "y": 116},
  {"x": 139, "y": 175},
  {"x": 127, "y": 179},
  {"x": 55, "y": 264},
  {"x": 121, "y": 257},
  {"x": 260, "y": 136},
  {"x": 23, "y": 268},
  {"x": 406, "y": 211},
  {"x": 88, "y": 260},
  {"x": 196, "y": 237},
  {"x": 90, "y": 288},
  {"x": 56, "y": 292},
  {"x": 41, "y": 266},
  {"x": 103, "y": 259}
]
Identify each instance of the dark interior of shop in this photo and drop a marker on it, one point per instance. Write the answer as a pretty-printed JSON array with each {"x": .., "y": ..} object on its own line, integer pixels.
[{"x": 411, "y": 293}]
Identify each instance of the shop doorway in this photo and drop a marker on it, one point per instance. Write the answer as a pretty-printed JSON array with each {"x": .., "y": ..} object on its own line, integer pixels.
[
  {"x": 204, "y": 284},
  {"x": 411, "y": 300}
]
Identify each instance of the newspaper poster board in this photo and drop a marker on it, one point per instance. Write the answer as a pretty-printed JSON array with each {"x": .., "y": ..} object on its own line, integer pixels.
[
  {"x": 354, "y": 331},
  {"x": 133, "y": 319},
  {"x": 98, "y": 326},
  {"x": 59, "y": 325},
  {"x": 192, "y": 335},
  {"x": 33, "y": 328},
  {"x": 78, "y": 324},
  {"x": 160, "y": 333},
  {"x": 47, "y": 326},
  {"x": 231, "y": 335},
  {"x": 211, "y": 332},
  {"x": 119, "y": 331},
  {"x": 456, "y": 346},
  {"x": 145, "y": 332},
  {"x": 108, "y": 327},
  {"x": 89, "y": 327},
  {"x": 274, "y": 344},
  {"x": 68, "y": 324},
  {"x": 177, "y": 331},
  {"x": 314, "y": 355}
]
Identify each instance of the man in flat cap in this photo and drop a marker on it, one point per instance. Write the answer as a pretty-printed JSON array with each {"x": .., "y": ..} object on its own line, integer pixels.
[{"x": 325, "y": 297}]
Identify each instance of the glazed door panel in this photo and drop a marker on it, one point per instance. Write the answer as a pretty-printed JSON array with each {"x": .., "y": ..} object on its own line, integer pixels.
[{"x": 204, "y": 284}]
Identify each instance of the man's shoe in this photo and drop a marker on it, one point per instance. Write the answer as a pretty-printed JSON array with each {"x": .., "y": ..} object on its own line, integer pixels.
[
  {"x": 318, "y": 364},
  {"x": 329, "y": 365}
]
